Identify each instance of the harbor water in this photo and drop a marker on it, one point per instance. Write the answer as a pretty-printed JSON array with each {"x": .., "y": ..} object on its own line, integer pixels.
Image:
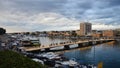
[{"x": 107, "y": 53}]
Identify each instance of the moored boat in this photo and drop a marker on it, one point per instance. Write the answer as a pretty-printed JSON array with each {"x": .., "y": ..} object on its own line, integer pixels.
[{"x": 28, "y": 41}]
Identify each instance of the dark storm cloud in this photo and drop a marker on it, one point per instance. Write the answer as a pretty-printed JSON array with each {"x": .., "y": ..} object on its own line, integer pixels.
[
  {"x": 108, "y": 10},
  {"x": 32, "y": 5},
  {"x": 114, "y": 2},
  {"x": 75, "y": 8},
  {"x": 69, "y": 8}
]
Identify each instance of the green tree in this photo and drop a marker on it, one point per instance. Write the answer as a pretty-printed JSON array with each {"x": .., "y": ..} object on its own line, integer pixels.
[
  {"x": 2, "y": 31},
  {"x": 73, "y": 33}
]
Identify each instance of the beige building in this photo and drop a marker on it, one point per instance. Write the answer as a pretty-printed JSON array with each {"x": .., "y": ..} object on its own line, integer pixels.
[
  {"x": 77, "y": 32},
  {"x": 85, "y": 28}
]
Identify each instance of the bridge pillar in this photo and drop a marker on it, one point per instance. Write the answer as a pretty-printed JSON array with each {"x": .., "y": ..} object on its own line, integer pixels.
[
  {"x": 98, "y": 42},
  {"x": 83, "y": 44},
  {"x": 94, "y": 42},
  {"x": 66, "y": 47},
  {"x": 104, "y": 41},
  {"x": 109, "y": 40},
  {"x": 87, "y": 43},
  {"x": 80, "y": 44},
  {"x": 101, "y": 41},
  {"x": 90, "y": 43},
  {"x": 47, "y": 49}
]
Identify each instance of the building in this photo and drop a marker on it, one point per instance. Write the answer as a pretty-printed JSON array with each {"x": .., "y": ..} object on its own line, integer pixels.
[
  {"x": 77, "y": 32},
  {"x": 96, "y": 33},
  {"x": 117, "y": 32},
  {"x": 109, "y": 33},
  {"x": 85, "y": 28}
]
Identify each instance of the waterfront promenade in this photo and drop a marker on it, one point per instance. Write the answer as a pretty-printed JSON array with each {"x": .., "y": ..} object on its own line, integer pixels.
[{"x": 67, "y": 44}]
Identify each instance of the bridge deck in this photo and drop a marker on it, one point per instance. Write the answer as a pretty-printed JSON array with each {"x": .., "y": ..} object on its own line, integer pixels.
[{"x": 60, "y": 44}]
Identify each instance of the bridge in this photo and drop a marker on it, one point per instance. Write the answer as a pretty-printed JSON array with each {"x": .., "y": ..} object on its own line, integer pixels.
[{"x": 67, "y": 44}]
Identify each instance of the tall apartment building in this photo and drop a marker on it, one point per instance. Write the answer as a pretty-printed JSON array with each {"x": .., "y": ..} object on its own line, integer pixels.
[{"x": 85, "y": 28}]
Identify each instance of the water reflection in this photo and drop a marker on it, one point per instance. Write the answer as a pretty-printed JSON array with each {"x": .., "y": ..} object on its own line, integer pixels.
[
  {"x": 110, "y": 43},
  {"x": 108, "y": 53}
]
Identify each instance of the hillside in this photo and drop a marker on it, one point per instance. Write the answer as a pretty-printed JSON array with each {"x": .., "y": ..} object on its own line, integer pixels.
[{"x": 10, "y": 59}]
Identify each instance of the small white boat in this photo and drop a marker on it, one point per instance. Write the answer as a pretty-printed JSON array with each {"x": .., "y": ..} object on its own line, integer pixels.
[
  {"x": 37, "y": 60},
  {"x": 30, "y": 41},
  {"x": 50, "y": 55},
  {"x": 70, "y": 63}
]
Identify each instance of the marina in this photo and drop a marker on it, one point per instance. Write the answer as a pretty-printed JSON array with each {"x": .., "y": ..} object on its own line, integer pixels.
[
  {"x": 59, "y": 34},
  {"x": 66, "y": 44},
  {"x": 62, "y": 59},
  {"x": 57, "y": 61}
]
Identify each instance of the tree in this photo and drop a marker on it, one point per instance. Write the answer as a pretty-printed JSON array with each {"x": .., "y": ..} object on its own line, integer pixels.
[
  {"x": 27, "y": 33},
  {"x": 2, "y": 31},
  {"x": 73, "y": 33}
]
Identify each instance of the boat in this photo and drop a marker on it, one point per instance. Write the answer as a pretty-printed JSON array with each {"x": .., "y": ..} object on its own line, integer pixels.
[
  {"x": 51, "y": 55},
  {"x": 70, "y": 63},
  {"x": 30, "y": 41},
  {"x": 37, "y": 60},
  {"x": 66, "y": 64}
]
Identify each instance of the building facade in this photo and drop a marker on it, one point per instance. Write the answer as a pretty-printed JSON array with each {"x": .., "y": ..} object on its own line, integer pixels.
[
  {"x": 85, "y": 28},
  {"x": 117, "y": 32},
  {"x": 97, "y": 33},
  {"x": 109, "y": 33}
]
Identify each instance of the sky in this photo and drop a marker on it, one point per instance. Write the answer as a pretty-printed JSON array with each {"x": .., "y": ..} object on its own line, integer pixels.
[{"x": 46, "y": 15}]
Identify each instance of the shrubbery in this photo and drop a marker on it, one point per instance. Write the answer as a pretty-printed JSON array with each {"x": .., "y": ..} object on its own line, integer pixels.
[
  {"x": 10, "y": 59},
  {"x": 2, "y": 31}
]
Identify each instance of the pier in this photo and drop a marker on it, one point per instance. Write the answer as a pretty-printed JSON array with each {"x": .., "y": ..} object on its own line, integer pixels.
[{"x": 67, "y": 44}]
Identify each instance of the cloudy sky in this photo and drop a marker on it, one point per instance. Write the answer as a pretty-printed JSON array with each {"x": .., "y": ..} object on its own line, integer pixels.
[{"x": 42, "y": 15}]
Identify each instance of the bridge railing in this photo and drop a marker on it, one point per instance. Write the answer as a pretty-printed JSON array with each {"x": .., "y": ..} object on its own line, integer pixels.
[{"x": 67, "y": 43}]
